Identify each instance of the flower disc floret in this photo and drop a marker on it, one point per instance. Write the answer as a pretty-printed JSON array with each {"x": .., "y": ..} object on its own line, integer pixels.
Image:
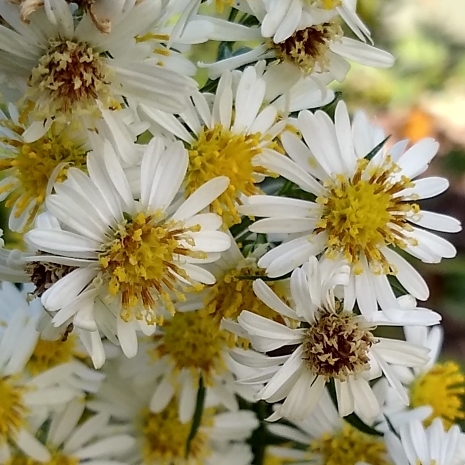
[
  {"x": 364, "y": 213},
  {"x": 336, "y": 346},
  {"x": 72, "y": 75},
  {"x": 12, "y": 408},
  {"x": 165, "y": 438},
  {"x": 194, "y": 341},
  {"x": 220, "y": 152},
  {"x": 33, "y": 166},
  {"x": 442, "y": 388},
  {"x": 308, "y": 48},
  {"x": 57, "y": 459},
  {"x": 141, "y": 262},
  {"x": 350, "y": 446}
]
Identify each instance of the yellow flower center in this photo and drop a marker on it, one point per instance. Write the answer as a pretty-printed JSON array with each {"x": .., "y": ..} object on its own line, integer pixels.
[
  {"x": 57, "y": 459},
  {"x": 232, "y": 293},
  {"x": 349, "y": 447},
  {"x": 335, "y": 346},
  {"x": 143, "y": 263},
  {"x": 49, "y": 354},
  {"x": 33, "y": 164},
  {"x": 221, "y": 4},
  {"x": 442, "y": 387},
  {"x": 195, "y": 341},
  {"x": 326, "y": 4},
  {"x": 220, "y": 152},
  {"x": 363, "y": 214},
  {"x": 12, "y": 409},
  {"x": 68, "y": 80},
  {"x": 308, "y": 48},
  {"x": 165, "y": 438}
]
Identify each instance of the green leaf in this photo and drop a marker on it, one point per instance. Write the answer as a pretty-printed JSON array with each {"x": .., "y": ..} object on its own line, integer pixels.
[
  {"x": 197, "y": 419},
  {"x": 355, "y": 421},
  {"x": 376, "y": 149}
]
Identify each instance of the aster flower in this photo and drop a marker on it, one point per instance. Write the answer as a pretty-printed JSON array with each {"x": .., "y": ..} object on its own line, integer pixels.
[
  {"x": 72, "y": 71},
  {"x": 324, "y": 437},
  {"x": 364, "y": 207},
  {"x": 282, "y": 19},
  {"x": 127, "y": 258},
  {"x": 428, "y": 446},
  {"x": 333, "y": 344},
  {"x": 436, "y": 385},
  {"x": 73, "y": 439},
  {"x": 225, "y": 139},
  {"x": 161, "y": 437},
  {"x": 30, "y": 391},
  {"x": 319, "y": 46}
]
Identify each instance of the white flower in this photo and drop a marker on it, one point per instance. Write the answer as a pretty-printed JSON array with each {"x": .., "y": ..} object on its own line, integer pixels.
[
  {"x": 324, "y": 437},
  {"x": 71, "y": 71},
  {"x": 284, "y": 17},
  {"x": 127, "y": 259},
  {"x": 224, "y": 137},
  {"x": 334, "y": 344},
  {"x": 28, "y": 391},
  {"x": 160, "y": 435},
  {"x": 319, "y": 46},
  {"x": 71, "y": 439},
  {"x": 425, "y": 446},
  {"x": 363, "y": 207}
]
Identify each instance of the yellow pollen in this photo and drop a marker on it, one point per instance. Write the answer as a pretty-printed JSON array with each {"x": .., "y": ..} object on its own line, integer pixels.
[
  {"x": 350, "y": 446},
  {"x": 220, "y": 152},
  {"x": 363, "y": 214},
  {"x": 308, "y": 48},
  {"x": 165, "y": 438},
  {"x": 33, "y": 164},
  {"x": 143, "y": 264},
  {"x": 57, "y": 459},
  {"x": 71, "y": 75},
  {"x": 275, "y": 460},
  {"x": 231, "y": 294},
  {"x": 336, "y": 346},
  {"x": 442, "y": 387},
  {"x": 221, "y": 4},
  {"x": 195, "y": 341},
  {"x": 326, "y": 4},
  {"x": 12, "y": 409},
  {"x": 48, "y": 354}
]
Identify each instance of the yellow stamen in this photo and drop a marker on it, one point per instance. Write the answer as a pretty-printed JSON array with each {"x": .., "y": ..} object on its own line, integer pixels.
[
  {"x": 363, "y": 214},
  {"x": 442, "y": 388},
  {"x": 12, "y": 408},
  {"x": 220, "y": 152},
  {"x": 194, "y": 341},
  {"x": 350, "y": 446},
  {"x": 48, "y": 354},
  {"x": 142, "y": 263},
  {"x": 165, "y": 438},
  {"x": 32, "y": 164}
]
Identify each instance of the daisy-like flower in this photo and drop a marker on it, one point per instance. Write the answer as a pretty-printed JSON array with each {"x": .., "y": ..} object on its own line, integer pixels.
[
  {"x": 417, "y": 445},
  {"x": 125, "y": 259},
  {"x": 282, "y": 19},
  {"x": 225, "y": 139},
  {"x": 73, "y": 440},
  {"x": 31, "y": 168},
  {"x": 332, "y": 344},
  {"x": 70, "y": 70},
  {"x": 325, "y": 438},
  {"x": 29, "y": 390},
  {"x": 364, "y": 207},
  {"x": 161, "y": 438},
  {"x": 437, "y": 385},
  {"x": 318, "y": 47}
]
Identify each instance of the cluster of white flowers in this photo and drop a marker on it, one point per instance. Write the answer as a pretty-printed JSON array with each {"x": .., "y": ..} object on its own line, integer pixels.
[{"x": 202, "y": 276}]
